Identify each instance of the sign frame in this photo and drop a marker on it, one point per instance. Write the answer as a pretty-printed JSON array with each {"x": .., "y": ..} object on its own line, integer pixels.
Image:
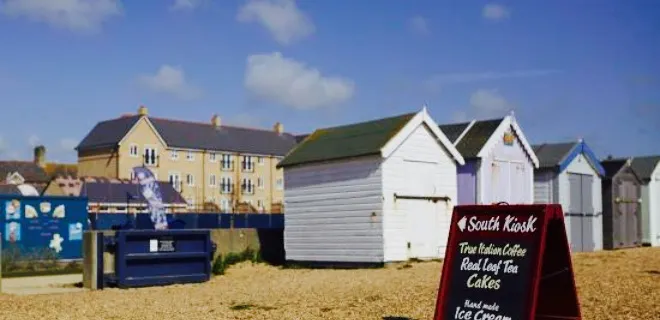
[{"x": 550, "y": 260}]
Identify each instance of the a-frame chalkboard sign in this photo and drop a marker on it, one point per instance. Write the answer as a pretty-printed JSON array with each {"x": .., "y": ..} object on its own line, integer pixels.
[{"x": 507, "y": 262}]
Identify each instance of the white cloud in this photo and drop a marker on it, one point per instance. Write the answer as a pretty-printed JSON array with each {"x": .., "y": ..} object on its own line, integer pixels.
[
  {"x": 459, "y": 116},
  {"x": 419, "y": 25},
  {"x": 495, "y": 12},
  {"x": 292, "y": 83},
  {"x": 85, "y": 16},
  {"x": 33, "y": 140},
  {"x": 489, "y": 103},
  {"x": 283, "y": 19},
  {"x": 185, "y": 5},
  {"x": 68, "y": 144},
  {"x": 170, "y": 80}
]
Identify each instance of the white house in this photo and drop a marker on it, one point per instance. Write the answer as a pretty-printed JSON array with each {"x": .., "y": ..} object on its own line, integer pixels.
[
  {"x": 372, "y": 192},
  {"x": 648, "y": 170},
  {"x": 570, "y": 174}
]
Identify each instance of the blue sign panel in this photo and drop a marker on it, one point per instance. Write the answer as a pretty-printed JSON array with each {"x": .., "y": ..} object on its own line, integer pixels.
[{"x": 35, "y": 223}]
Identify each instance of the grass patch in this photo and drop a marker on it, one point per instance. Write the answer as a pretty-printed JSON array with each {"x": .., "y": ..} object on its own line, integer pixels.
[
  {"x": 221, "y": 263},
  {"x": 17, "y": 262}
]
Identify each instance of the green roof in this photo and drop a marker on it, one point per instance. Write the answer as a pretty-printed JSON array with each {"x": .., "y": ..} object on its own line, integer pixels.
[{"x": 349, "y": 141}]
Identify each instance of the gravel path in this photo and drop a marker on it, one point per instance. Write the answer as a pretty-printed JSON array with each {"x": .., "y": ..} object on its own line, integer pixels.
[{"x": 612, "y": 285}]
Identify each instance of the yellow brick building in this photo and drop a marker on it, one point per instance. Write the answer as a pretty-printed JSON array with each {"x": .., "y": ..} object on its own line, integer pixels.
[{"x": 209, "y": 163}]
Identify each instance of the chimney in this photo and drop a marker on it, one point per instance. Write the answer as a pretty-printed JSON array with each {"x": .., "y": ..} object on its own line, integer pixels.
[
  {"x": 216, "y": 121},
  {"x": 278, "y": 127},
  {"x": 40, "y": 156},
  {"x": 142, "y": 110}
]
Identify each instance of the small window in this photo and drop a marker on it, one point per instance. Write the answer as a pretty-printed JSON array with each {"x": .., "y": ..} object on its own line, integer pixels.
[
  {"x": 279, "y": 184},
  {"x": 226, "y": 185},
  {"x": 212, "y": 157},
  {"x": 212, "y": 180},
  {"x": 191, "y": 202},
  {"x": 175, "y": 181},
  {"x": 226, "y": 162},
  {"x": 150, "y": 156},
  {"x": 190, "y": 156},
  {"x": 260, "y": 161},
  {"x": 133, "y": 150},
  {"x": 260, "y": 204},
  {"x": 174, "y": 155},
  {"x": 260, "y": 183},
  {"x": 190, "y": 179}
]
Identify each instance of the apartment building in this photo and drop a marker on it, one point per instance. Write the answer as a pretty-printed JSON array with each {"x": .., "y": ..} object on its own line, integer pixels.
[{"x": 208, "y": 163}]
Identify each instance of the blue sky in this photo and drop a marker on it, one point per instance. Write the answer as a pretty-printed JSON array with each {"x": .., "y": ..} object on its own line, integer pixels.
[{"x": 568, "y": 69}]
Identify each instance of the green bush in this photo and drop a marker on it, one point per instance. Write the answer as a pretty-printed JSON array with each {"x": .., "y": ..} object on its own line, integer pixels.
[{"x": 220, "y": 264}]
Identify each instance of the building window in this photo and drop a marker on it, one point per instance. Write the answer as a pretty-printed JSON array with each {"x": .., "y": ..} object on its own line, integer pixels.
[
  {"x": 191, "y": 202},
  {"x": 226, "y": 185},
  {"x": 150, "y": 156},
  {"x": 260, "y": 204},
  {"x": 247, "y": 164},
  {"x": 190, "y": 180},
  {"x": 279, "y": 184},
  {"x": 190, "y": 156},
  {"x": 212, "y": 180},
  {"x": 212, "y": 157},
  {"x": 247, "y": 186},
  {"x": 226, "y": 162},
  {"x": 174, "y": 155},
  {"x": 133, "y": 150},
  {"x": 260, "y": 161},
  {"x": 260, "y": 183},
  {"x": 175, "y": 181}
]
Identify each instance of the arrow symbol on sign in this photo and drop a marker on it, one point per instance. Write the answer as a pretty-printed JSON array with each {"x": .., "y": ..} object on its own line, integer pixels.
[{"x": 461, "y": 223}]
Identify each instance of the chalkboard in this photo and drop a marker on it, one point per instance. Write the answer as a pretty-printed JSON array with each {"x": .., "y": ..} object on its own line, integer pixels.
[{"x": 494, "y": 263}]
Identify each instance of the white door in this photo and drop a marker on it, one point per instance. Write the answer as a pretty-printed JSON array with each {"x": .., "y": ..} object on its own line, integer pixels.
[
  {"x": 499, "y": 188},
  {"x": 425, "y": 229},
  {"x": 654, "y": 211}
]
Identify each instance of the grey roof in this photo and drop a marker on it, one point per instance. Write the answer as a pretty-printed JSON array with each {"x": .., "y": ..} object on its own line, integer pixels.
[
  {"x": 301, "y": 137},
  {"x": 475, "y": 139},
  {"x": 644, "y": 166},
  {"x": 613, "y": 166},
  {"x": 103, "y": 190},
  {"x": 30, "y": 171},
  {"x": 551, "y": 154},
  {"x": 453, "y": 130},
  {"x": 107, "y": 133},
  {"x": 193, "y": 135}
]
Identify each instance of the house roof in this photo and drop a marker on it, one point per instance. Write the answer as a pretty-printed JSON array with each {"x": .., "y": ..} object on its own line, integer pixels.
[
  {"x": 453, "y": 130},
  {"x": 613, "y": 166},
  {"x": 61, "y": 169},
  {"x": 192, "y": 135},
  {"x": 30, "y": 171},
  {"x": 552, "y": 154},
  {"x": 106, "y": 190},
  {"x": 301, "y": 137},
  {"x": 475, "y": 139},
  {"x": 644, "y": 166},
  {"x": 347, "y": 141},
  {"x": 560, "y": 155}
]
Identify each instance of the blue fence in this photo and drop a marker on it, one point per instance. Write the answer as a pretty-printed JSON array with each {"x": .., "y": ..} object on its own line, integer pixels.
[
  {"x": 37, "y": 223},
  {"x": 107, "y": 221}
]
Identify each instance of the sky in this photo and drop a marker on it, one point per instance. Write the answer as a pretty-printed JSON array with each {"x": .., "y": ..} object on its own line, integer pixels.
[{"x": 567, "y": 69}]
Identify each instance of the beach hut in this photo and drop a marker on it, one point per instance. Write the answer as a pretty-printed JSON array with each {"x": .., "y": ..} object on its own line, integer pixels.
[
  {"x": 370, "y": 192},
  {"x": 648, "y": 170},
  {"x": 621, "y": 205},
  {"x": 569, "y": 174},
  {"x": 499, "y": 161}
]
